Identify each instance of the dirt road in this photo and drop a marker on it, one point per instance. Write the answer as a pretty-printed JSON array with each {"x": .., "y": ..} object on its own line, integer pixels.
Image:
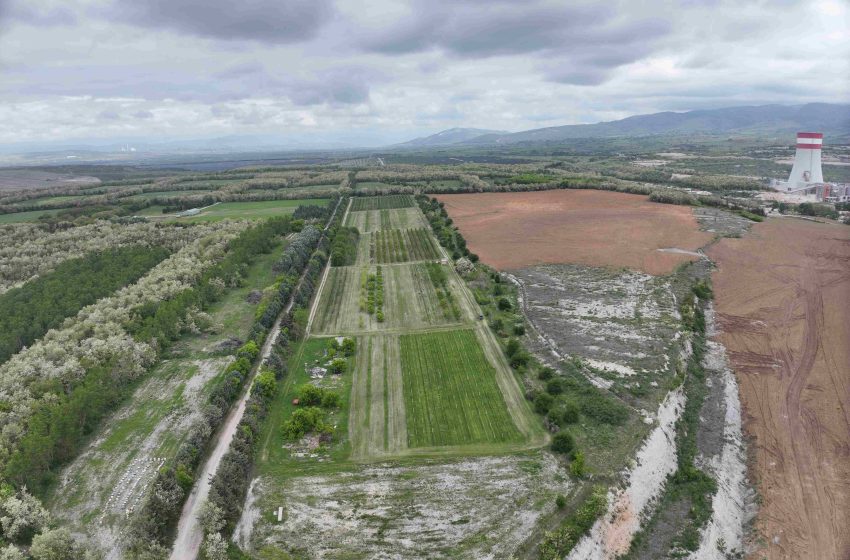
[
  {"x": 782, "y": 296},
  {"x": 190, "y": 535},
  {"x": 595, "y": 228}
]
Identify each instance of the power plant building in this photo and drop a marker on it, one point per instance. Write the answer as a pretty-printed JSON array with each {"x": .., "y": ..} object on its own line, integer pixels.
[{"x": 807, "y": 176}]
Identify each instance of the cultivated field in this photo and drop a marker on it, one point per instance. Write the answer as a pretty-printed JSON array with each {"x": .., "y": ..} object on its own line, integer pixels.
[
  {"x": 382, "y": 202},
  {"x": 378, "y": 422},
  {"x": 595, "y": 228},
  {"x": 402, "y": 245},
  {"x": 781, "y": 295},
  {"x": 413, "y": 296},
  {"x": 450, "y": 392},
  {"x": 428, "y": 384},
  {"x": 367, "y": 221}
]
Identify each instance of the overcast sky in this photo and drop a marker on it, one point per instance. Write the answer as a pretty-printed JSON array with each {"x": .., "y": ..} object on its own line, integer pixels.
[{"x": 376, "y": 71}]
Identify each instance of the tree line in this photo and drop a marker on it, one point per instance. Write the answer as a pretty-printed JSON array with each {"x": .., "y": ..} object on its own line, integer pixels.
[
  {"x": 27, "y": 312},
  {"x": 154, "y": 525}
]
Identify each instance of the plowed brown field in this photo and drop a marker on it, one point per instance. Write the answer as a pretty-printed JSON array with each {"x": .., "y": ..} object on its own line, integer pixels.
[
  {"x": 595, "y": 228},
  {"x": 783, "y": 302}
]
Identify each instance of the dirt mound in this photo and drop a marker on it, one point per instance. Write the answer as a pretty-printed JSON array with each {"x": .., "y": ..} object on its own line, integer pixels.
[
  {"x": 781, "y": 295},
  {"x": 596, "y": 228}
]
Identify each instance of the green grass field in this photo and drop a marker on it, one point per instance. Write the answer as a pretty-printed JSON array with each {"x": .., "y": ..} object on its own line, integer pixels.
[
  {"x": 450, "y": 392},
  {"x": 278, "y": 459},
  {"x": 18, "y": 217},
  {"x": 155, "y": 194},
  {"x": 396, "y": 245},
  {"x": 382, "y": 202},
  {"x": 251, "y": 210}
]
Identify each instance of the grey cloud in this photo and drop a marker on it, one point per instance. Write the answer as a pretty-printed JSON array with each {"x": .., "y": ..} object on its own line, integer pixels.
[
  {"x": 593, "y": 63},
  {"x": 579, "y": 44},
  {"x": 143, "y": 115},
  {"x": 241, "y": 70},
  {"x": 32, "y": 14},
  {"x": 108, "y": 115},
  {"x": 337, "y": 87},
  {"x": 272, "y": 21},
  {"x": 467, "y": 29}
]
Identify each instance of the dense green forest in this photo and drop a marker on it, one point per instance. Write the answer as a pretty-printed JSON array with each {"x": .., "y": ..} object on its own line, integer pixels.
[{"x": 26, "y": 313}]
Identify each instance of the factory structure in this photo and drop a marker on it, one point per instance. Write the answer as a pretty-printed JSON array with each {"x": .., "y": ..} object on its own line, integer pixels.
[{"x": 806, "y": 177}]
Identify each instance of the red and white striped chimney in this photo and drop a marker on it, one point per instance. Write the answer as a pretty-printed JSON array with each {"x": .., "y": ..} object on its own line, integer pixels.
[{"x": 807, "y": 167}]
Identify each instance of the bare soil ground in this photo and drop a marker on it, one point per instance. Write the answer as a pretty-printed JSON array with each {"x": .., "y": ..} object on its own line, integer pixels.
[
  {"x": 471, "y": 508},
  {"x": 23, "y": 178},
  {"x": 101, "y": 489},
  {"x": 595, "y": 228},
  {"x": 781, "y": 295}
]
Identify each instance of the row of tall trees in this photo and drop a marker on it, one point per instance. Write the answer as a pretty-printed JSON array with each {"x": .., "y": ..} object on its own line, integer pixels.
[
  {"x": 155, "y": 523},
  {"x": 27, "y": 312}
]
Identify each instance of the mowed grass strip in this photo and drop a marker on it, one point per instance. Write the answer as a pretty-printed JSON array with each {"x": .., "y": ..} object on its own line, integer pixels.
[
  {"x": 450, "y": 392},
  {"x": 382, "y": 202}
]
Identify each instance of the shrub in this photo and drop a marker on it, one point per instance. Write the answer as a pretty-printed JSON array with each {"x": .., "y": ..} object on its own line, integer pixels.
[
  {"x": 504, "y": 304},
  {"x": 578, "y": 468},
  {"x": 543, "y": 402},
  {"x": 349, "y": 346},
  {"x": 604, "y": 410},
  {"x": 554, "y": 387},
  {"x": 331, "y": 399},
  {"x": 339, "y": 366},
  {"x": 545, "y": 373},
  {"x": 304, "y": 421},
  {"x": 519, "y": 329},
  {"x": 520, "y": 359},
  {"x": 561, "y": 501},
  {"x": 563, "y": 442},
  {"x": 702, "y": 290},
  {"x": 571, "y": 413}
]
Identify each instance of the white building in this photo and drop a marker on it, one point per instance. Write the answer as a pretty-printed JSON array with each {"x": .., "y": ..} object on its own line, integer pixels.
[{"x": 807, "y": 176}]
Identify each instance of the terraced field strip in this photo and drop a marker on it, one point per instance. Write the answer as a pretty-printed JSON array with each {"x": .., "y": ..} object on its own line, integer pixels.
[
  {"x": 383, "y": 202},
  {"x": 450, "y": 391},
  {"x": 411, "y": 301},
  {"x": 397, "y": 245},
  {"x": 378, "y": 424},
  {"x": 367, "y": 221}
]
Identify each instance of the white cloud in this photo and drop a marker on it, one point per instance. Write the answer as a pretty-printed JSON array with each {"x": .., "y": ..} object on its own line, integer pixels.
[{"x": 384, "y": 70}]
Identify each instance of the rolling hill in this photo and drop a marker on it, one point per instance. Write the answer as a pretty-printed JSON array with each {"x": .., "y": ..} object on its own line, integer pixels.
[
  {"x": 451, "y": 136},
  {"x": 766, "y": 120}
]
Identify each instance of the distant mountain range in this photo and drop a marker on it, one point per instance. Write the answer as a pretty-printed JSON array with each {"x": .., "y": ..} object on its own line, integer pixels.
[
  {"x": 452, "y": 136},
  {"x": 765, "y": 120}
]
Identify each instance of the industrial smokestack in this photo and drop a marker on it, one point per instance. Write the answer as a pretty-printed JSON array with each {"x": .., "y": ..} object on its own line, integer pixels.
[{"x": 807, "y": 160}]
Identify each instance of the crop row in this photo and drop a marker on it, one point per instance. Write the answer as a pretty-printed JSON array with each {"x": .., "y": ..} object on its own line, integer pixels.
[
  {"x": 372, "y": 294},
  {"x": 383, "y": 202},
  {"x": 450, "y": 392},
  {"x": 440, "y": 280},
  {"x": 395, "y": 245}
]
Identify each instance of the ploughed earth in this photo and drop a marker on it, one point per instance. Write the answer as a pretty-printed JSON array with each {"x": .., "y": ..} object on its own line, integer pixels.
[
  {"x": 595, "y": 228},
  {"x": 782, "y": 296}
]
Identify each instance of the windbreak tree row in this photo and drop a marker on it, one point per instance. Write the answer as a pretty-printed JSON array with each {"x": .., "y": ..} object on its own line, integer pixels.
[
  {"x": 26, "y": 313},
  {"x": 299, "y": 269},
  {"x": 59, "y": 389}
]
